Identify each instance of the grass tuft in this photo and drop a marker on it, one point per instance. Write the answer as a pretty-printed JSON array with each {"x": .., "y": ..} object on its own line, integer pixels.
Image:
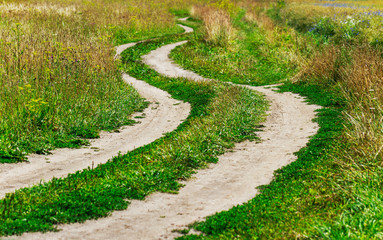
[{"x": 218, "y": 29}]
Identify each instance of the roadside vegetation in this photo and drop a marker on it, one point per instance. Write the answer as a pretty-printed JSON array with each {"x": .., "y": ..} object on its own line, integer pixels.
[
  {"x": 330, "y": 52},
  {"x": 58, "y": 79},
  {"x": 333, "y": 190},
  {"x": 221, "y": 115},
  {"x": 232, "y": 47}
]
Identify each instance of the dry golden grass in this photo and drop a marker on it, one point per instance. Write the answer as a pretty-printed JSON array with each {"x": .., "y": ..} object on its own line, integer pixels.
[
  {"x": 358, "y": 71},
  {"x": 365, "y": 76},
  {"x": 217, "y": 25},
  {"x": 364, "y": 79},
  {"x": 256, "y": 13},
  {"x": 359, "y": 68},
  {"x": 321, "y": 66},
  {"x": 259, "y": 16}
]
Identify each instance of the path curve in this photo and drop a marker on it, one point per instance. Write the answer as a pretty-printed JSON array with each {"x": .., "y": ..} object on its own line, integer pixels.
[
  {"x": 163, "y": 115},
  {"x": 230, "y": 182},
  {"x": 121, "y": 48}
]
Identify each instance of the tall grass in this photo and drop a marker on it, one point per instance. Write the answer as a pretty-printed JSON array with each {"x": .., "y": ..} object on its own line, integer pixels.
[
  {"x": 351, "y": 60},
  {"x": 218, "y": 28},
  {"x": 58, "y": 80},
  {"x": 262, "y": 53},
  {"x": 334, "y": 189},
  {"x": 221, "y": 115}
]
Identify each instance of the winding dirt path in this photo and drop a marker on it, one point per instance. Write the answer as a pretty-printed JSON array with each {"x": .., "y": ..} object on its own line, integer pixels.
[
  {"x": 121, "y": 48},
  {"x": 159, "y": 60},
  {"x": 163, "y": 115},
  {"x": 230, "y": 182}
]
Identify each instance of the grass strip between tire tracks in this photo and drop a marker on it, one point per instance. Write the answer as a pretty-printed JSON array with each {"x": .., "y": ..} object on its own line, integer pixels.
[
  {"x": 303, "y": 197},
  {"x": 334, "y": 189},
  {"x": 298, "y": 197},
  {"x": 221, "y": 115}
]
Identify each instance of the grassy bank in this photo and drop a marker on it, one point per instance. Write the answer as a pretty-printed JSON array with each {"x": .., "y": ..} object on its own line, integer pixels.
[{"x": 221, "y": 115}]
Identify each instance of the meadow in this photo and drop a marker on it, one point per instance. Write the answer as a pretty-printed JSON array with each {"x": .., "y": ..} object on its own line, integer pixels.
[
  {"x": 334, "y": 54},
  {"x": 59, "y": 82},
  {"x": 221, "y": 115},
  {"x": 54, "y": 55}
]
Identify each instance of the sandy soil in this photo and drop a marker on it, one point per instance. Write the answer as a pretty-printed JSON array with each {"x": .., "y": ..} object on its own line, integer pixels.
[
  {"x": 186, "y": 28},
  {"x": 232, "y": 181},
  {"x": 183, "y": 19},
  {"x": 159, "y": 60},
  {"x": 121, "y": 48},
  {"x": 163, "y": 115}
]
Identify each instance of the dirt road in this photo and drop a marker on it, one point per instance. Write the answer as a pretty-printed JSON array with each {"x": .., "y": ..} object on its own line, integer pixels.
[
  {"x": 232, "y": 181},
  {"x": 163, "y": 115}
]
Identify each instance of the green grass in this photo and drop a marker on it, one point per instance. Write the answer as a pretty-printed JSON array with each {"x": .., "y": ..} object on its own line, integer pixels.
[
  {"x": 58, "y": 79},
  {"x": 334, "y": 189},
  {"x": 298, "y": 197},
  {"x": 221, "y": 115},
  {"x": 251, "y": 59}
]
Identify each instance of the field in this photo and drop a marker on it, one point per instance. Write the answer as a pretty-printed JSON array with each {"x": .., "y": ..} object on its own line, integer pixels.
[
  {"x": 60, "y": 86},
  {"x": 53, "y": 55},
  {"x": 333, "y": 52}
]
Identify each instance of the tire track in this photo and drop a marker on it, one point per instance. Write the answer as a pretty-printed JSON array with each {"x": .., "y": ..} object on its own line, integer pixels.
[
  {"x": 230, "y": 182},
  {"x": 163, "y": 115}
]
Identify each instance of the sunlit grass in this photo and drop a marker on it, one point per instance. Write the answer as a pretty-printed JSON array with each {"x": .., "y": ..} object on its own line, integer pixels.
[
  {"x": 260, "y": 53},
  {"x": 335, "y": 47},
  {"x": 333, "y": 190},
  {"x": 221, "y": 115},
  {"x": 218, "y": 29},
  {"x": 59, "y": 82}
]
